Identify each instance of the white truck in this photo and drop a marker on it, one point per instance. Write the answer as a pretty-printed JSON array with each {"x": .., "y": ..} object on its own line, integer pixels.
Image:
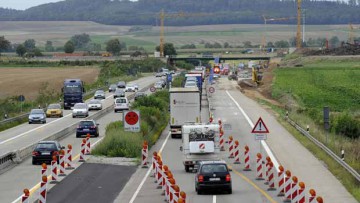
[
  {"x": 200, "y": 142},
  {"x": 184, "y": 107}
]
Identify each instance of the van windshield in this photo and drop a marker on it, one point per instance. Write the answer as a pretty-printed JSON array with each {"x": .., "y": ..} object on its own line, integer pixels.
[
  {"x": 121, "y": 101},
  {"x": 68, "y": 89}
]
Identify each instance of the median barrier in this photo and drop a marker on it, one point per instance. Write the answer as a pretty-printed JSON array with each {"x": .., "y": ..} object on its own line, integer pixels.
[
  {"x": 237, "y": 152},
  {"x": 247, "y": 159},
  {"x": 25, "y": 196},
  {"x": 42, "y": 191},
  {"x": 281, "y": 181},
  {"x": 54, "y": 171}
]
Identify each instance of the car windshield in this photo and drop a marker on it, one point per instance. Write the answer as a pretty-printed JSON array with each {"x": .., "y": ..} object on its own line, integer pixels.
[
  {"x": 99, "y": 92},
  {"x": 54, "y": 106},
  {"x": 37, "y": 111},
  {"x": 119, "y": 91},
  {"x": 80, "y": 106},
  {"x": 51, "y": 146},
  {"x": 213, "y": 168},
  {"x": 120, "y": 101},
  {"x": 95, "y": 101},
  {"x": 190, "y": 84},
  {"x": 113, "y": 86},
  {"x": 86, "y": 123},
  {"x": 131, "y": 85},
  {"x": 68, "y": 89}
]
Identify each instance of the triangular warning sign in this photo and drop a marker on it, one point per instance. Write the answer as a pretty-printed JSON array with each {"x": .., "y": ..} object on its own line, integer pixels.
[{"x": 260, "y": 127}]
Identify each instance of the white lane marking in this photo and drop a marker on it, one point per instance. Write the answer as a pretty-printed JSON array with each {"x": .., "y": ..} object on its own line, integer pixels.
[
  {"x": 42, "y": 126},
  {"x": 147, "y": 173},
  {"x": 214, "y": 199},
  {"x": 263, "y": 143}
]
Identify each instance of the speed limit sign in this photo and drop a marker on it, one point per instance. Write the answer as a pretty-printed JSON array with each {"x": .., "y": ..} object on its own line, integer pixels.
[{"x": 211, "y": 89}]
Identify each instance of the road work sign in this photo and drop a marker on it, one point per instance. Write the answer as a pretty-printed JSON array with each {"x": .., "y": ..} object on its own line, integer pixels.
[
  {"x": 131, "y": 121},
  {"x": 260, "y": 127}
]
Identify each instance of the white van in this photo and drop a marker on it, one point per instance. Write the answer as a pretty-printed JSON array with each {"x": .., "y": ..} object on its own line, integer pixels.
[
  {"x": 120, "y": 104},
  {"x": 200, "y": 142}
]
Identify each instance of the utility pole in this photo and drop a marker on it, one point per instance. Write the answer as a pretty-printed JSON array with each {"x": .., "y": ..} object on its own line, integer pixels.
[
  {"x": 303, "y": 31},
  {"x": 298, "y": 33}
]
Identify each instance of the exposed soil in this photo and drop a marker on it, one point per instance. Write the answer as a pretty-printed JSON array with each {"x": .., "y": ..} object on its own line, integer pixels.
[{"x": 27, "y": 81}]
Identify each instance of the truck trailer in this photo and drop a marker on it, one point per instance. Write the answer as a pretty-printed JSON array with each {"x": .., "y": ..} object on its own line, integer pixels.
[{"x": 184, "y": 107}]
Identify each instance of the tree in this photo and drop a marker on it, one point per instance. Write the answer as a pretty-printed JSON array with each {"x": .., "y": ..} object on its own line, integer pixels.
[
  {"x": 4, "y": 44},
  {"x": 113, "y": 46},
  {"x": 37, "y": 52},
  {"x": 30, "y": 44},
  {"x": 21, "y": 50},
  {"x": 217, "y": 45},
  {"x": 226, "y": 45},
  {"x": 169, "y": 49},
  {"x": 334, "y": 42},
  {"x": 282, "y": 44},
  {"x": 270, "y": 45},
  {"x": 49, "y": 46},
  {"x": 69, "y": 47},
  {"x": 80, "y": 41},
  {"x": 247, "y": 44}
]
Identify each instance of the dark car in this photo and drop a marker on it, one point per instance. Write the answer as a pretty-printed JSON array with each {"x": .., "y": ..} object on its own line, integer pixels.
[
  {"x": 112, "y": 88},
  {"x": 139, "y": 95},
  {"x": 119, "y": 93},
  {"x": 213, "y": 175},
  {"x": 121, "y": 84},
  {"x": 45, "y": 150},
  {"x": 87, "y": 126},
  {"x": 232, "y": 77}
]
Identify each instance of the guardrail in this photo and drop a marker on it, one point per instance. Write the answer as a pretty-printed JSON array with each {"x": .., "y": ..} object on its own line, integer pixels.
[
  {"x": 326, "y": 149},
  {"x": 18, "y": 156}
]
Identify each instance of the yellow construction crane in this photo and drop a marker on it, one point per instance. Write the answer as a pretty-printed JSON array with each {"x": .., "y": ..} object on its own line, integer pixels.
[
  {"x": 298, "y": 33},
  {"x": 164, "y": 15},
  {"x": 265, "y": 23}
]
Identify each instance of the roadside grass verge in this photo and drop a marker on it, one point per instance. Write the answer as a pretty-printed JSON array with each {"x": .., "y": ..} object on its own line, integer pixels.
[
  {"x": 154, "y": 119},
  {"x": 349, "y": 182}
]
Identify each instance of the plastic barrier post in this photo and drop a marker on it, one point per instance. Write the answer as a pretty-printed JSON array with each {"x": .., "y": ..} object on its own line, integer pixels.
[
  {"x": 87, "y": 148},
  {"x": 271, "y": 177},
  {"x": 247, "y": 159},
  {"x": 62, "y": 163},
  {"x": 237, "y": 153},
  {"x": 42, "y": 191},
  {"x": 312, "y": 196},
  {"x": 287, "y": 197},
  {"x": 301, "y": 193},
  {"x": 82, "y": 151},
  {"x": 25, "y": 196},
  {"x": 69, "y": 162},
  {"x": 294, "y": 188},
  {"x": 144, "y": 154},
  {"x": 259, "y": 167},
  {"x": 54, "y": 173},
  {"x": 281, "y": 181},
  {"x": 231, "y": 148}
]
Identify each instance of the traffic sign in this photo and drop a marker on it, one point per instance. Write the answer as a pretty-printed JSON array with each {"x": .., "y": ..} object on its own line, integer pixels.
[
  {"x": 152, "y": 89},
  {"x": 260, "y": 127},
  {"x": 211, "y": 89},
  {"x": 21, "y": 98},
  {"x": 260, "y": 137},
  {"x": 131, "y": 121}
]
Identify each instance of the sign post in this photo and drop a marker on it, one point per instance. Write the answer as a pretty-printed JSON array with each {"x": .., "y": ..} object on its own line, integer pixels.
[
  {"x": 131, "y": 121},
  {"x": 260, "y": 130},
  {"x": 21, "y": 99}
]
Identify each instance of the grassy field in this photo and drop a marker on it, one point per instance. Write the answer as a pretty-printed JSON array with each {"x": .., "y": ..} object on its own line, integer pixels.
[
  {"x": 236, "y": 34},
  {"x": 28, "y": 80}
]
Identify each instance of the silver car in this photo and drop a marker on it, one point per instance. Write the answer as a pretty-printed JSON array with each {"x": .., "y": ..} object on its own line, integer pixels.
[
  {"x": 99, "y": 94},
  {"x": 80, "y": 109},
  {"x": 37, "y": 116},
  {"x": 130, "y": 88},
  {"x": 112, "y": 88},
  {"x": 95, "y": 104},
  {"x": 119, "y": 93}
]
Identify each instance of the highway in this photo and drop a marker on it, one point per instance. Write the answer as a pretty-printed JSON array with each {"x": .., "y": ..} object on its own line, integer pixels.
[
  {"x": 26, "y": 175},
  {"x": 238, "y": 114}
]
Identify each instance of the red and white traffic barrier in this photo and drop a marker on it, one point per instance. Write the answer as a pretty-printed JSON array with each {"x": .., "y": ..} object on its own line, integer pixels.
[
  {"x": 42, "y": 191},
  {"x": 165, "y": 177},
  {"x": 259, "y": 167},
  {"x": 54, "y": 172},
  {"x": 294, "y": 189},
  {"x": 312, "y": 197},
  {"x": 82, "y": 151},
  {"x": 281, "y": 181},
  {"x": 43, "y": 169},
  {"x": 153, "y": 163},
  {"x": 176, "y": 194},
  {"x": 222, "y": 148},
  {"x": 288, "y": 191},
  {"x": 271, "y": 177},
  {"x": 182, "y": 198},
  {"x": 247, "y": 159},
  {"x": 268, "y": 160},
  {"x": 25, "y": 196},
  {"x": 301, "y": 193},
  {"x": 170, "y": 182},
  {"x": 171, "y": 190},
  {"x": 62, "y": 163},
  {"x": 237, "y": 152},
  {"x": 69, "y": 158},
  {"x": 231, "y": 147},
  {"x": 159, "y": 175},
  {"x": 319, "y": 200},
  {"x": 88, "y": 145},
  {"x": 144, "y": 155}
]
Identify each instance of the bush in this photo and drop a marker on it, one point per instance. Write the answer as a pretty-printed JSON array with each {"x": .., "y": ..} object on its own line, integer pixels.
[{"x": 345, "y": 124}]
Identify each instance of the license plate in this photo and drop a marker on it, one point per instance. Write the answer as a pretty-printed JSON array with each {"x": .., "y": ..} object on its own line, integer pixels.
[
  {"x": 85, "y": 129},
  {"x": 79, "y": 112},
  {"x": 46, "y": 153},
  {"x": 214, "y": 179}
]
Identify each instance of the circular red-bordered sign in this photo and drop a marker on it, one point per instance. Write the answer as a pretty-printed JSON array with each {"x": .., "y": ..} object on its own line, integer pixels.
[
  {"x": 211, "y": 89},
  {"x": 131, "y": 118},
  {"x": 152, "y": 89}
]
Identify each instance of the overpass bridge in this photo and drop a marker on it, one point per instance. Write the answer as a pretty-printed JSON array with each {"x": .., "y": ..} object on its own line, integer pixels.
[{"x": 172, "y": 59}]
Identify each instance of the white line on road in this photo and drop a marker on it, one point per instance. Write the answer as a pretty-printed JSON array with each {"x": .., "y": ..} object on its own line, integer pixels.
[
  {"x": 214, "y": 199},
  {"x": 147, "y": 173},
  {"x": 42, "y": 126},
  {"x": 263, "y": 143}
]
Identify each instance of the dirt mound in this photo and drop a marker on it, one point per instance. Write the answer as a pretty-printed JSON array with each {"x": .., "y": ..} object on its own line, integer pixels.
[{"x": 345, "y": 49}]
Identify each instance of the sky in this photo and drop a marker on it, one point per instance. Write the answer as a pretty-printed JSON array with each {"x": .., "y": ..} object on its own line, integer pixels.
[{"x": 24, "y": 4}]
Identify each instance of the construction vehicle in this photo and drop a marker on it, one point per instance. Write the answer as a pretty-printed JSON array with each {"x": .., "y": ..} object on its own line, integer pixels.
[{"x": 106, "y": 54}]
